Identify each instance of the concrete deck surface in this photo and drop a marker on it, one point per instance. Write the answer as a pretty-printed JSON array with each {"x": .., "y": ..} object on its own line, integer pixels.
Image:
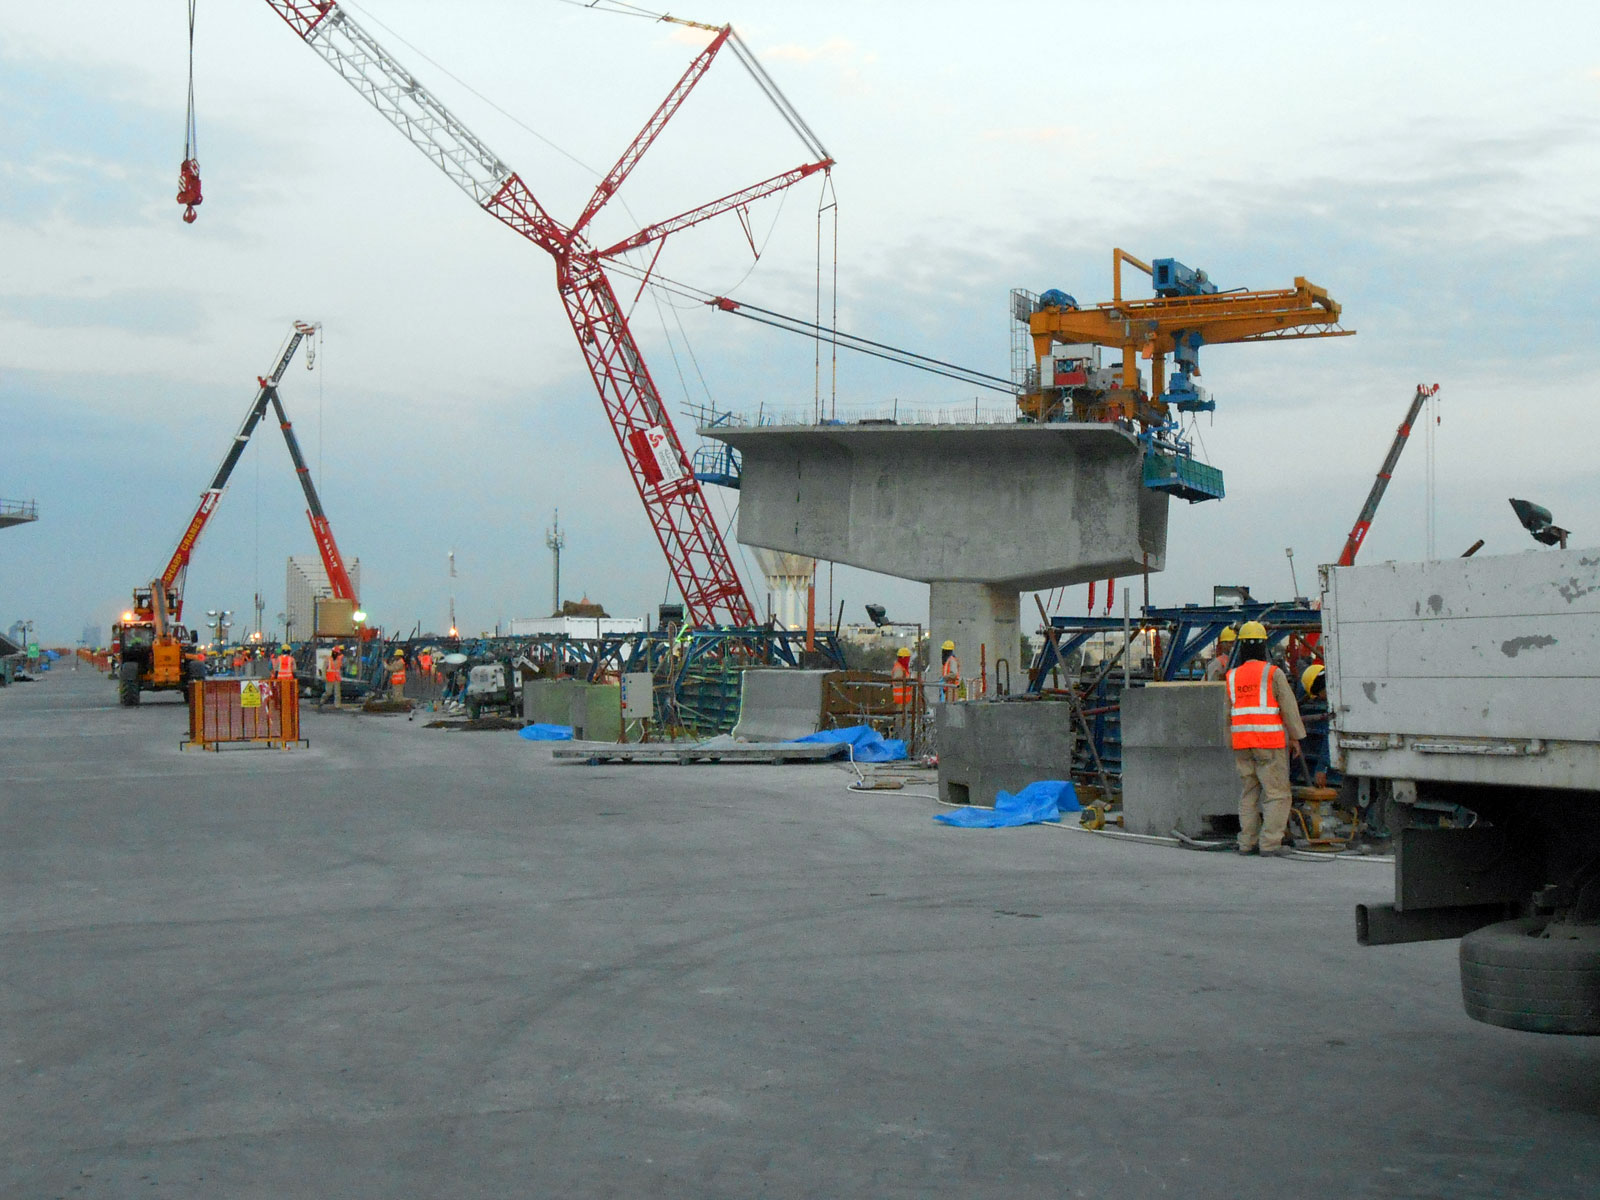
[{"x": 423, "y": 964}]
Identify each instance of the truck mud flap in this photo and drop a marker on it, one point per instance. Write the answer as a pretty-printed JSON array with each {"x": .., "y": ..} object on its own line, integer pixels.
[{"x": 1385, "y": 925}]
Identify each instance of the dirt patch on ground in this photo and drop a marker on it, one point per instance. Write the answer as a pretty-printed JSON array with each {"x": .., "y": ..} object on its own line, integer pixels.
[{"x": 481, "y": 725}]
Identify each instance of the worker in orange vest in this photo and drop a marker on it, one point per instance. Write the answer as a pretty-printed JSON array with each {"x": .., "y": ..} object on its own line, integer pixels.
[
  {"x": 900, "y": 679},
  {"x": 1265, "y": 727},
  {"x": 949, "y": 673},
  {"x": 285, "y": 664},
  {"x": 333, "y": 680},
  {"x": 397, "y": 676}
]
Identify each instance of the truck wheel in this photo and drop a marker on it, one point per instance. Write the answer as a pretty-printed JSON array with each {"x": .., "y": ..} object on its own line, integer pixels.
[
  {"x": 128, "y": 691},
  {"x": 1515, "y": 977}
]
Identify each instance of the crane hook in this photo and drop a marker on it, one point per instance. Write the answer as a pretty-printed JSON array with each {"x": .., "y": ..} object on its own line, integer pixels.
[
  {"x": 189, "y": 188},
  {"x": 189, "y": 173}
]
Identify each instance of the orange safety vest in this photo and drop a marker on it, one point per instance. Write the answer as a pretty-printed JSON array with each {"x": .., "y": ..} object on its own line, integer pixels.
[
  {"x": 397, "y": 677},
  {"x": 901, "y": 675},
  {"x": 335, "y": 665},
  {"x": 285, "y": 666},
  {"x": 425, "y": 661},
  {"x": 1257, "y": 721}
]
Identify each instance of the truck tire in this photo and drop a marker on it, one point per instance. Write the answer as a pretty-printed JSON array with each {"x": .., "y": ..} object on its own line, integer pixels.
[
  {"x": 128, "y": 684},
  {"x": 1514, "y": 977}
]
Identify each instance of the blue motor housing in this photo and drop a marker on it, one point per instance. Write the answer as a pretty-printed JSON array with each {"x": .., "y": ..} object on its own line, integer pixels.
[
  {"x": 1185, "y": 396},
  {"x": 1056, "y": 298},
  {"x": 1171, "y": 278}
]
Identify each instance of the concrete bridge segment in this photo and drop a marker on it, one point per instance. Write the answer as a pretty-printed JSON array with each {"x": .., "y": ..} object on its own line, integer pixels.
[{"x": 979, "y": 512}]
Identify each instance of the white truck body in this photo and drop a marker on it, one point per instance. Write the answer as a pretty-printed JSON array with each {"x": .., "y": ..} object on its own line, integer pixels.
[{"x": 1467, "y": 670}]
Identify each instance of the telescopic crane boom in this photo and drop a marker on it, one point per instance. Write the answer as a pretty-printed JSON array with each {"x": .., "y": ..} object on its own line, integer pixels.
[
  {"x": 171, "y": 580},
  {"x": 1358, "y": 531},
  {"x": 696, "y": 553}
]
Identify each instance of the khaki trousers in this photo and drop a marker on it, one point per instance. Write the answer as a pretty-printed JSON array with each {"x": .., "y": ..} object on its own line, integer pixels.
[{"x": 1264, "y": 803}]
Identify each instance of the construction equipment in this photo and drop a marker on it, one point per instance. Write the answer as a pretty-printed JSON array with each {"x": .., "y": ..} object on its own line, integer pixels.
[
  {"x": 1358, "y": 531},
  {"x": 151, "y": 643},
  {"x": 1187, "y": 312},
  {"x": 1067, "y": 381},
  {"x": 678, "y": 511},
  {"x": 154, "y": 653}
]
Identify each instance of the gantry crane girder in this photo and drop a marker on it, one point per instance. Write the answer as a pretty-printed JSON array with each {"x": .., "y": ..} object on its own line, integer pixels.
[
  {"x": 679, "y": 513},
  {"x": 1155, "y": 327}
]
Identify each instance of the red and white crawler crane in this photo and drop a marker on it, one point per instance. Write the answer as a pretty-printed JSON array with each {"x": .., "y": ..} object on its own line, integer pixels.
[{"x": 696, "y": 553}]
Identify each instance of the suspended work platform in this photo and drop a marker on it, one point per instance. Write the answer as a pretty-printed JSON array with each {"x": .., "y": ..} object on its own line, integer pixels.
[{"x": 18, "y": 512}]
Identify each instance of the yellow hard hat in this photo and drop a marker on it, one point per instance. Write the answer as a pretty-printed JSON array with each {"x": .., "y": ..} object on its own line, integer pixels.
[
  {"x": 903, "y": 652},
  {"x": 949, "y": 645},
  {"x": 285, "y": 648},
  {"x": 1227, "y": 635},
  {"x": 1309, "y": 676},
  {"x": 1252, "y": 631}
]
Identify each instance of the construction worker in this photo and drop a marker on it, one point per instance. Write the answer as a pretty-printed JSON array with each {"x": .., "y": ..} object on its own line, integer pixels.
[
  {"x": 397, "y": 675},
  {"x": 285, "y": 664},
  {"x": 334, "y": 679},
  {"x": 900, "y": 679},
  {"x": 1266, "y": 727},
  {"x": 1316, "y": 714},
  {"x": 949, "y": 673},
  {"x": 1217, "y": 668}
]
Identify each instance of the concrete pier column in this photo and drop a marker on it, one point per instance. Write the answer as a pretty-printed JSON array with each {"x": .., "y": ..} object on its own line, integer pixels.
[{"x": 983, "y": 620}]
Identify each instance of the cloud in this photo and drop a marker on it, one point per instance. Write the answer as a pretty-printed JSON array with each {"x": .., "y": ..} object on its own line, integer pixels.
[
  {"x": 836, "y": 50},
  {"x": 1059, "y": 135},
  {"x": 169, "y": 312}
]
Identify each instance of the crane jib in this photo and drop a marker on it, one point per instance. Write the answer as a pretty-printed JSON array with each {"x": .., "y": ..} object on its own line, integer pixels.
[{"x": 679, "y": 515}]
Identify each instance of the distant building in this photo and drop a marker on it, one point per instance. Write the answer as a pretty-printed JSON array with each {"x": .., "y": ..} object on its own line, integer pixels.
[
  {"x": 92, "y": 636},
  {"x": 869, "y": 637},
  {"x": 305, "y": 582}
]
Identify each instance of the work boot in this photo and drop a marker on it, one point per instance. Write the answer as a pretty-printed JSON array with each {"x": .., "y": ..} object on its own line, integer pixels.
[
  {"x": 1280, "y": 852},
  {"x": 1249, "y": 850}
]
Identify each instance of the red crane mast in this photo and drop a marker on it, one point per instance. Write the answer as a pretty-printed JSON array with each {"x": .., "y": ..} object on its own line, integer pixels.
[
  {"x": 1358, "y": 532},
  {"x": 696, "y": 553}
]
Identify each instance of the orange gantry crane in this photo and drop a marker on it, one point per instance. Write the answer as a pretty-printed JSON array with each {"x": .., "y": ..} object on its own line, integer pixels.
[
  {"x": 679, "y": 514},
  {"x": 1186, "y": 313}
]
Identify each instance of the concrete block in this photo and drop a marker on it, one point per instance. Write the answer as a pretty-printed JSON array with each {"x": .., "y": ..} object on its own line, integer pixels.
[
  {"x": 1020, "y": 506},
  {"x": 988, "y": 746},
  {"x": 779, "y": 705},
  {"x": 592, "y": 709},
  {"x": 1177, "y": 763}
]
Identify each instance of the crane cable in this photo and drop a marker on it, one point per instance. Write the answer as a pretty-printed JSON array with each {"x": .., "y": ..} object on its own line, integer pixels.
[{"x": 189, "y": 172}]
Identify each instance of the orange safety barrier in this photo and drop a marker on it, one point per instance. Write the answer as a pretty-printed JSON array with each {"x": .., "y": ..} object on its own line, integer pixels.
[{"x": 262, "y": 712}]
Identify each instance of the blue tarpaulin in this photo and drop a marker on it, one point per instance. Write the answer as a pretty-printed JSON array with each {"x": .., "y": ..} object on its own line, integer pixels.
[
  {"x": 867, "y": 744},
  {"x": 546, "y": 733},
  {"x": 1043, "y": 801}
]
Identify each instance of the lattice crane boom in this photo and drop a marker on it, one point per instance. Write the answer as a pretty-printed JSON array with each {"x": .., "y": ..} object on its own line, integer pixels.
[{"x": 673, "y": 499}]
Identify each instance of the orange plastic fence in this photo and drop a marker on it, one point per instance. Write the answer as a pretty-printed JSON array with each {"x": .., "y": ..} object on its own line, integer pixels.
[{"x": 263, "y": 712}]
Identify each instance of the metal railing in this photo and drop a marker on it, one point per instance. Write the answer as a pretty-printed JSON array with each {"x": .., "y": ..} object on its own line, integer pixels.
[
  {"x": 976, "y": 412},
  {"x": 20, "y": 510}
]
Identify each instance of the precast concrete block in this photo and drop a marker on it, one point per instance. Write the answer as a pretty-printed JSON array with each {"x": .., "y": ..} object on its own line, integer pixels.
[
  {"x": 778, "y": 704},
  {"x": 594, "y": 710},
  {"x": 1177, "y": 760},
  {"x": 1017, "y": 506},
  {"x": 987, "y": 746}
]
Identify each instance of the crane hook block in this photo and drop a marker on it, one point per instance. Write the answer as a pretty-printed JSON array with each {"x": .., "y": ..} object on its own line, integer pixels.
[{"x": 189, "y": 188}]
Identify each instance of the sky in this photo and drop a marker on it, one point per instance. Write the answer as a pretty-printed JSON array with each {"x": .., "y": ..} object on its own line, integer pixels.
[{"x": 1436, "y": 167}]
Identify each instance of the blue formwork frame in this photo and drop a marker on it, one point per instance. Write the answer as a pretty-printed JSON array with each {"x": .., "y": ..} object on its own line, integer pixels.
[
  {"x": 1186, "y": 633},
  {"x": 676, "y": 658}
]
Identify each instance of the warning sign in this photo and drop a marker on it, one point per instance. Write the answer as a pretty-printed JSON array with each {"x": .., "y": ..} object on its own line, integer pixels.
[{"x": 249, "y": 694}]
